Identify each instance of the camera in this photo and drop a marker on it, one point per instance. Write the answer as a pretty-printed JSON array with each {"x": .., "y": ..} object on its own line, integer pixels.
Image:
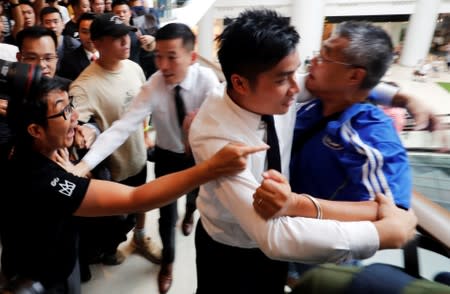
[{"x": 18, "y": 79}]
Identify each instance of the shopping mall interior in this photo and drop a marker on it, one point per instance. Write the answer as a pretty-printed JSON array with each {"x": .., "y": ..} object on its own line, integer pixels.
[
  {"x": 429, "y": 161},
  {"x": 420, "y": 31}
]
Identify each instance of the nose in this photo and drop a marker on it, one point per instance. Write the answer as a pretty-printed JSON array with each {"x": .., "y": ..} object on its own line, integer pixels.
[
  {"x": 43, "y": 63},
  {"x": 295, "y": 88},
  {"x": 75, "y": 115},
  {"x": 163, "y": 63}
]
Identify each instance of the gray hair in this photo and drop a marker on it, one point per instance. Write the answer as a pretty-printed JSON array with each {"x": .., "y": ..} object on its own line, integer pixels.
[{"x": 370, "y": 47}]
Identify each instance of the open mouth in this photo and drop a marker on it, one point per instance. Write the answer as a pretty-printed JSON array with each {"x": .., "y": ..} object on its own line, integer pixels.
[
  {"x": 289, "y": 102},
  {"x": 71, "y": 133}
]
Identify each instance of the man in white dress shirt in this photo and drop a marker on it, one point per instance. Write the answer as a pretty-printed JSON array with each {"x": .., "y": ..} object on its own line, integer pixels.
[{"x": 259, "y": 59}]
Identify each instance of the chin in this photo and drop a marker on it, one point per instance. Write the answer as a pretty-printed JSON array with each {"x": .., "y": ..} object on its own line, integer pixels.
[
  {"x": 68, "y": 143},
  {"x": 169, "y": 80},
  {"x": 310, "y": 84}
]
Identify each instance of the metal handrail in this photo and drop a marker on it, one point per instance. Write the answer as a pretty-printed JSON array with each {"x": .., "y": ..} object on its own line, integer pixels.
[
  {"x": 433, "y": 232},
  {"x": 432, "y": 218}
]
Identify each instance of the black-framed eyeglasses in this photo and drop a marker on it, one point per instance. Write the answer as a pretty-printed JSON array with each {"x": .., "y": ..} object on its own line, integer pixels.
[
  {"x": 34, "y": 59},
  {"x": 66, "y": 112},
  {"x": 320, "y": 59}
]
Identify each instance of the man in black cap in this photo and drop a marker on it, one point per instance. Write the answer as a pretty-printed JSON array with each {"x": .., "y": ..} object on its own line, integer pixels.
[{"x": 103, "y": 92}]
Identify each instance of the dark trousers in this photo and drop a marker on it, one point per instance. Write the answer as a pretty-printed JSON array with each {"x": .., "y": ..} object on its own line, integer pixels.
[
  {"x": 102, "y": 235},
  {"x": 226, "y": 269},
  {"x": 167, "y": 162},
  {"x": 71, "y": 286},
  {"x": 136, "y": 180}
]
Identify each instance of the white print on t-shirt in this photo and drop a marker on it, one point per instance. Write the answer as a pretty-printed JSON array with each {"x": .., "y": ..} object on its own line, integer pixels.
[
  {"x": 327, "y": 141},
  {"x": 66, "y": 188}
]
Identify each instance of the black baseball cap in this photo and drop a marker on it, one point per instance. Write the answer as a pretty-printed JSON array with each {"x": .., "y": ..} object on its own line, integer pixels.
[{"x": 109, "y": 24}]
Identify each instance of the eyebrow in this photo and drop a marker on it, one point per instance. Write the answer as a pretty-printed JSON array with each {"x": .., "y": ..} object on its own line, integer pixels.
[
  {"x": 287, "y": 73},
  {"x": 59, "y": 100},
  {"x": 34, "y": 54},
  {"x": 326, "y": 48}
]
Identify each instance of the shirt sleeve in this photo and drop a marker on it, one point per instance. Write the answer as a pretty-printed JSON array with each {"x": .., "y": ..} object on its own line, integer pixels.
[
  {"x": 375, "y": 160},
  {"x": 383, "y": 93},
  {"x": 121, "y": 129},
  {"x": 81, "y": 102},
  {"x": 295, "y": 238},
  {"x": 62, "y": 191}
]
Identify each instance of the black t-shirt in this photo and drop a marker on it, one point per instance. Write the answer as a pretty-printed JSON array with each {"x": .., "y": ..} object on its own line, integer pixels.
[
  {"x": 71, "y": 29},
  {"x": 37, "y": 228}
]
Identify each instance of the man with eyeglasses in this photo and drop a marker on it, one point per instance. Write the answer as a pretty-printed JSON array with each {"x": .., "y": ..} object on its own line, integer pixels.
[
  {"x": 38, "y": 225},
  {"x": 354, "y": 141},
  {"x": 37, "y": 45},
  {"x": 51, "y": 18},
  {"x": 66, "y": 112},
  {"x": 37, "y": 50}
]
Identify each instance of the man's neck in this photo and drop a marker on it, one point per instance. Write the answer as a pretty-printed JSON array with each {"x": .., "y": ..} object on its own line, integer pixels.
[
  {"x": 342, "y": 101},
  {"x": 44, "y": 150},
  {"x": 111, "y": 65},
  {"x": 238, "y": 99},
  {"x": 60, "y": 40},
  {"x": 92, "y": 51}
]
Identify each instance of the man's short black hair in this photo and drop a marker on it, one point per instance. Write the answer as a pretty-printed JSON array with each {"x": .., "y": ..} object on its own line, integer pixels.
[
  {"x": 85, "y": 16},
  {"x": 254, "y": 42},
  {"x": 119, "y": 2},
  {"x": 26, "y": 110},
  {"x": 177, "y": 31},
  {"x": 35, "y": 32},
  {"x": 48, "y": 10}
]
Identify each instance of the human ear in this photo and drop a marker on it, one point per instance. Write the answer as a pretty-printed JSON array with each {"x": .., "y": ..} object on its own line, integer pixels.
[
  {"x": 358, "y": 75},
  {"x": 35, "y": 131},
  {"x": 193, "y": 57},
  {"x": 239, "y": 83}
]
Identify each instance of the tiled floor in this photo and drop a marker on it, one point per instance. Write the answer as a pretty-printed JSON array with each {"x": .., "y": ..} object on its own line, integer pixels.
[{"x": 138, "y": 276}]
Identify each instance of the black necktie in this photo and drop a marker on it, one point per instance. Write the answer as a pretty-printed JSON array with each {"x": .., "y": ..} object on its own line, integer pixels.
[
  {"x": 181, "y": 110},
  {"x": 273, "y": 154}
]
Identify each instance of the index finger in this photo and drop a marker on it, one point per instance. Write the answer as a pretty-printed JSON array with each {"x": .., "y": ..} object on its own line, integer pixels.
[{"x": 246, "y": 150}]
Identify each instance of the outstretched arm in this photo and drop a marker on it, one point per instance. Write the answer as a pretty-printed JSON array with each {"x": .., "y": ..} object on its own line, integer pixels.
[
  {"x": 109, "y": 198},
  {"x": 391, "y": 95},
  {"x": 423, "y": 115},
  {"x": 113, "y": 137}
]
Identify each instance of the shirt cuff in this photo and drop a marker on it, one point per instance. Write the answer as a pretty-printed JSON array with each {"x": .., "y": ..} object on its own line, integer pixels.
[
  {"x": 383, "y": 93},
  {"x": 91, "y": 159},
  {"x": 363, "y": 240},
  {"x": 89, "y": 125}
]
